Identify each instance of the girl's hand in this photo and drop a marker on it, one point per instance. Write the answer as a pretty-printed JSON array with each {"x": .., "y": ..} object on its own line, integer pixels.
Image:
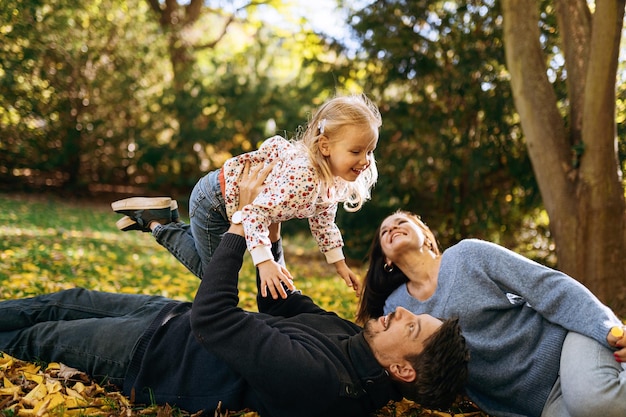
[
  {"x": 273, "y": 276},
  {"x": 348, "y": 276},
  {"x": 617, "y": 339}
]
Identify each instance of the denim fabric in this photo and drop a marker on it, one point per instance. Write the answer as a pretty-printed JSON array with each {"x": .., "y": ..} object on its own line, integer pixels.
[
  {"x": 591, "y": 381},
  {"x": 92, "y": 331},
  {"x": 194, "y": 244}
]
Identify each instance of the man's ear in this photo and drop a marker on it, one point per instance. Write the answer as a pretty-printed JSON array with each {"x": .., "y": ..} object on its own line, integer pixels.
[
  {"x": 323, "y": 144},
  {"x": 402, "y": 371}
]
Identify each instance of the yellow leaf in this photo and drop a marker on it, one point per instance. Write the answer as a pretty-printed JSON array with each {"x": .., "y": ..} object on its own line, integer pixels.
[
  {"x": 75, "y": 402},
  {"x": 6, "y": 361},
  {"x": 53, "y": 386},
  {"x": 36, "y": 394},
  {"x": 72, "y": 393},
  {"x": 53, "y": 365},
  {"x": 55, "y": 400},
  {"x": 26, "y": 412},
  {"x": 33, "y": 376},
  {"x": 79, "y": 387},
  {"x": 41, "y": 407},
  {"x": 12, "y": 390}
]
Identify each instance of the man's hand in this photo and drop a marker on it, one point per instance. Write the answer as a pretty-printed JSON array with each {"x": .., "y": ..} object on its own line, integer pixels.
[
  {"x": 272, "y": 275},
  {"x": 348, "y": 276},
  {"x": 250, "y": 185},
  {"x": 251, "y": 182}
]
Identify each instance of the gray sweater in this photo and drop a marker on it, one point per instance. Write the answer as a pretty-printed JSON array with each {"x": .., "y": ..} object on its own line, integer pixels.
[{"x": 514, "y": 314}]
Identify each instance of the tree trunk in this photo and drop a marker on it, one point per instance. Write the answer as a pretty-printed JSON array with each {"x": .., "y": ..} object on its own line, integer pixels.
[{"x": 576, "y": 166}]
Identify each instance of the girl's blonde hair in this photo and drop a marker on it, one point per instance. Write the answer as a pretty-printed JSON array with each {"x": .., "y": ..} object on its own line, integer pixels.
[{"x": 330, "y": 117}]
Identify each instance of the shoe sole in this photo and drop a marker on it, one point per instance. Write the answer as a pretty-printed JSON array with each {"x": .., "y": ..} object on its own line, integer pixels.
[
  {"x": 141, "y": 203},
  {"x": 125, "y": 223}
]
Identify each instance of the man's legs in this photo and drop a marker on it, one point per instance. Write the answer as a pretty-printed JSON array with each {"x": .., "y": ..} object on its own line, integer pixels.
[
  {"x": 591, "y": 382},
  {"x": 94, "y": 332}
]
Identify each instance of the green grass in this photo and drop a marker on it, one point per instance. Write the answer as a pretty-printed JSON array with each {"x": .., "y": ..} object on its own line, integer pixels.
[{"x": 48, "y": 244}]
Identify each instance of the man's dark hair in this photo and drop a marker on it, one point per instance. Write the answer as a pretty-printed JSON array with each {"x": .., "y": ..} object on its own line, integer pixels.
[{"x": 441, "y": 368}]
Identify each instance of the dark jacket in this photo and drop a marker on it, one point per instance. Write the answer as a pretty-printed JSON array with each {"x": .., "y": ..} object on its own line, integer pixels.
[{"x": 290, "y": 359}]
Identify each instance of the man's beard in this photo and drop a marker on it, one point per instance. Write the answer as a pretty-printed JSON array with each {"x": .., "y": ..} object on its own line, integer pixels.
[{"x": 368, "y": 332}]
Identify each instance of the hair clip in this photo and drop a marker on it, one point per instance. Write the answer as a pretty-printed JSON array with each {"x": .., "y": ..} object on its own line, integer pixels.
[{"x": 321, "y": 125}]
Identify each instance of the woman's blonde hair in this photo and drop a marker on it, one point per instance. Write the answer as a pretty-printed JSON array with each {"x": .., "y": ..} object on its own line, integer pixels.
[{"x": 330, "y": 117}]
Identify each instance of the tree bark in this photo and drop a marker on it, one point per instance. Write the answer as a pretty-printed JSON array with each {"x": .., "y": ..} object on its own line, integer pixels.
[{"x": 576, "y": 166}]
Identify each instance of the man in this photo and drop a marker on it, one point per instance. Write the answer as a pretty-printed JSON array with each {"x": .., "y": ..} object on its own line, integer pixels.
[{"x": 290, "y": 359}]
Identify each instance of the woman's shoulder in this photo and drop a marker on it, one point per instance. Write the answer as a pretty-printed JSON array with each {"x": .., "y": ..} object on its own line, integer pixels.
[
  {"x": 470, "y": 244},
  {"x": 472, "y": 249},
  {"x": 476, "y": 253}
]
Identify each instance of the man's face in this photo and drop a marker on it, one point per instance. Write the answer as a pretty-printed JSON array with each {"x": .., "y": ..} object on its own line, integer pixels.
[{"x": 395, "y": 336}]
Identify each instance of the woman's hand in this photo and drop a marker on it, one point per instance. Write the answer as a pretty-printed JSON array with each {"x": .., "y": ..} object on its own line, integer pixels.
[{"x": 617, "y": 339}]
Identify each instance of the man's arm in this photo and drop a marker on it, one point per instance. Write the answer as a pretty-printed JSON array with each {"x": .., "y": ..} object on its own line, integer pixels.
[
  {"x": 269, "y": 353},
  {"x": 295, "y": 303},
  {"x": 281, "y": 360}
]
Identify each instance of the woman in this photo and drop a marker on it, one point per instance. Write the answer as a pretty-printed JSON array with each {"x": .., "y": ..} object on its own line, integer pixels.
[{"x": 540, "y": 343}]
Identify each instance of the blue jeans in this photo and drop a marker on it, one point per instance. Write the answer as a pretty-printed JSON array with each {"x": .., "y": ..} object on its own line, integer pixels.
[
  {"x": 194, "y": 244},
  {"x": 92, "y": 331},
  {"x": 591, "y": 382}
]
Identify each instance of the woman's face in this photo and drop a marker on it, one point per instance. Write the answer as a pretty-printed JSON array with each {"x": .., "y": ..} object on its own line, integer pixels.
[{"x": 399, "y": 233}]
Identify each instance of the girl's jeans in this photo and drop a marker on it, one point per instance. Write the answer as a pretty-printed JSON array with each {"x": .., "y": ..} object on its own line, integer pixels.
[
  {"x": 93, "y": 331},
  {"x": 194, "y": 244},
  {"x": 591, "y": 382}
]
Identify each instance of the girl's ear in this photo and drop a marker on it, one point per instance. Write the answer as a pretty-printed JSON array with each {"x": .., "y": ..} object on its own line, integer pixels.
[{"x": 323, "y": 144}]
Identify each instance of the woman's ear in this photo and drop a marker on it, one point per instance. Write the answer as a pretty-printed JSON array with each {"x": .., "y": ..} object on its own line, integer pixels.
[
  {"x": 323, "y": 144},
  {"x": 403, "y": 372}
]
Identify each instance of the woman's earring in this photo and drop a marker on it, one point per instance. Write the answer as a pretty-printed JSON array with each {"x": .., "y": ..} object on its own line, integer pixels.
[{"x": 387, "y": 268}]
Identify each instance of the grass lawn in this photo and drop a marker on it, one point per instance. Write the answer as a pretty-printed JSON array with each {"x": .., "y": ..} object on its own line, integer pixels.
[{"x": 49, "y": 244}]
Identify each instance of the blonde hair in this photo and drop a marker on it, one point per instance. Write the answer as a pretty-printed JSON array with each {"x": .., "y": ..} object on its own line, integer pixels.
[{"x": 330, "y": 117}]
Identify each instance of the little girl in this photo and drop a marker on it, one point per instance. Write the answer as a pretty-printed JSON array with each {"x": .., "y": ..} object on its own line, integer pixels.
[{"x": 332, "y": 161}]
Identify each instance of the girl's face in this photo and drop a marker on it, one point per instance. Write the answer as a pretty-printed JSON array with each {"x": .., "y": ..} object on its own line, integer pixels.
[
  {"x": 398, "y": 234},
  {"x": 350, "y": 153}
]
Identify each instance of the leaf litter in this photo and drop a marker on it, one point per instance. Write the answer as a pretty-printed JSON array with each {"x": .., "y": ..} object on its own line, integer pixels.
[{"x": 31, "y": 390}]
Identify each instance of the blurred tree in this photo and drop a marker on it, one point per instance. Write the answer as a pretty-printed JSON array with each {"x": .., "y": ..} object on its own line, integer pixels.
[
  {"x": 72, "y": 88},
  {"x": 190, "y": 28},
  {"x": 572, "y": 139},
  {"x": 97, "y": 94},
  {"x": 451, "y": 148},
  {"x": 454, "y": 147}
]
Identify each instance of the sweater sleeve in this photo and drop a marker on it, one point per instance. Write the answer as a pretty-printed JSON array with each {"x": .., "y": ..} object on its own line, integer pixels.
[
  {"x": 265, "y": 350},
  {"x": 559, "y": 298},
  {"x": 327, "y": 233},
  {"x": 290, "y": 192}
]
